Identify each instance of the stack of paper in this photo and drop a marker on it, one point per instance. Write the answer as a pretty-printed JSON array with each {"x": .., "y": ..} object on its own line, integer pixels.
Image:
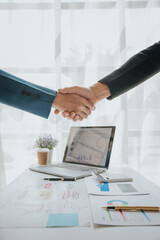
[
  {"x": 32, "y": 202},
  {"x": 120, "y": 194}
]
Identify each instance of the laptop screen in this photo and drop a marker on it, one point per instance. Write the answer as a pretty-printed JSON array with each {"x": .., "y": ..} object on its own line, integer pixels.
[{"x": 89, "y": 146}]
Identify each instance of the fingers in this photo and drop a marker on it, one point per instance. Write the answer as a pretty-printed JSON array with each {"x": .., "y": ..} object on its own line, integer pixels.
[
  {"x": 68, "y": 90},
  {"x": 87, "y": 93},
  {"x": 77, "y": 118},
  {"x": 79, "y": 115},
  {"x": 72, "y": 115},
  {"x": 72, "y": 105},
  {"x": 65, "y": 114},
  {"x": 77, "y": 105},
  {"x": 85, "y": 110},
  {"x": 89, "y": 104},
  {"x": 56, "y": 111},
  {"x": 68, "y": 115},
  {"x": 82, "y": 114},
  {"x": 83, "y": 92}
]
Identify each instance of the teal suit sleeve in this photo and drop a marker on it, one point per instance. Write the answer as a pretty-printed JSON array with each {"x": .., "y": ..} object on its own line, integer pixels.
[{"x": 26, "y": 96}]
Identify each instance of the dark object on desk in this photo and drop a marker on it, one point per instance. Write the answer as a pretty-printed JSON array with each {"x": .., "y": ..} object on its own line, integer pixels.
[
  {"x": 134, "y": 208},
  {"x": 60, "y": 179}
]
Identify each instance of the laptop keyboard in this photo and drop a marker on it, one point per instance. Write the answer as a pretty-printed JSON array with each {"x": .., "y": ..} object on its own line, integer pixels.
[{"x": 80, "y": 168}]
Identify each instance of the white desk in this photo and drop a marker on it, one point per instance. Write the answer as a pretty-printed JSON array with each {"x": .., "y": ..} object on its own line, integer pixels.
[{"x": 98, "y": 233}]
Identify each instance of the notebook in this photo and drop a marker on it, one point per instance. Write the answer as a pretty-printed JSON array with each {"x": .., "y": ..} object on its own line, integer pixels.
[{"x": 87, "y": 148}]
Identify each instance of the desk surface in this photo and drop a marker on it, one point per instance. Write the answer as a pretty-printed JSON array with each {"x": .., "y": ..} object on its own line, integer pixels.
[{"x": 99, "y": 232}]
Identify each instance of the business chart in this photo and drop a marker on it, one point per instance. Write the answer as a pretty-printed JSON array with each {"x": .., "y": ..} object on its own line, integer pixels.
[
  {"x": 120, "y": 188},
  {"x": 32, "y": 202},
  {"x": 89, "y": 146},
  {"x": 112, "y": 217}
]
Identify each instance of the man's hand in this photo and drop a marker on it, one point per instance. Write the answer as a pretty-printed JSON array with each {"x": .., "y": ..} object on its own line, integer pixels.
[
  {"x": 87, "y": 93},
  {"x": 73, "y": 103},
  {"x": 94, "y": 94}
]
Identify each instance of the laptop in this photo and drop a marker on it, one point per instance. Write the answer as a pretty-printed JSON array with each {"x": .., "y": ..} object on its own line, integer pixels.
[{"x": 87, "y": 149}]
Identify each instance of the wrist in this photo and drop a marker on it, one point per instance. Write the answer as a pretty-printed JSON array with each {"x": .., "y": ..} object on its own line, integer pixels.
[
  {"x": 100, "y": 91},
  {"x": 56, "y": 101}
]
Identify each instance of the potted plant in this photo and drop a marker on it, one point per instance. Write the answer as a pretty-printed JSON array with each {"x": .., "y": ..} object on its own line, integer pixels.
[{"x": 44, "y": 146}]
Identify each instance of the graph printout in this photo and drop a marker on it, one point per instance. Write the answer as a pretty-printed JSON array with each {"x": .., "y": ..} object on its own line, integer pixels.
[
  {"x": 111, "y": 217},
  {"x": 90, "y": 146},
  {"x": 32, "y": 202},
  {"x": 118, "y": 188}
]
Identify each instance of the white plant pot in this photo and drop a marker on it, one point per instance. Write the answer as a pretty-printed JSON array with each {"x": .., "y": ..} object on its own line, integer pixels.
[{"x": 50, "y": 156}]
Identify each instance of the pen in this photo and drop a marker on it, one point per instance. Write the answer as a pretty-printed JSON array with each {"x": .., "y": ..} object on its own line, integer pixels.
[
  {"x": 133, "y": 208},
  {"x": 59, "y": 179}
]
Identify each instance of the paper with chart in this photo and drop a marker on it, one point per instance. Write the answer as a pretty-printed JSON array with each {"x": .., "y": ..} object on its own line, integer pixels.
[
  {"x": 112, "y": 217},
  {"x": 32, "y": 202},
  {"x": 119, "y": 188}
]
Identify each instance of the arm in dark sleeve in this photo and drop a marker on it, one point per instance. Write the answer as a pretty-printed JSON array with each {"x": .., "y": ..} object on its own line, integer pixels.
[
  {"x": 24, "y": 95},
  {"x": 136, "y": 70}
]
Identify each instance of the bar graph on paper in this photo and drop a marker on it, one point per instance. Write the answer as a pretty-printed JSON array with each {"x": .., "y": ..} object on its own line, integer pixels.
[{"x": 111, "y": 217}]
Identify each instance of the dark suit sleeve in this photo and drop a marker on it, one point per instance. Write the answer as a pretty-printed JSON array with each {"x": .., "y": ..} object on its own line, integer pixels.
[
  {"x": 24, "y": 95},
  {"x": 136, "y": 70}
]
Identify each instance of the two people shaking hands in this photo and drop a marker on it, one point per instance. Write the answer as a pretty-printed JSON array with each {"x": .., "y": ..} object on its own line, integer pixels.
[{"x": 77, "y": 103}]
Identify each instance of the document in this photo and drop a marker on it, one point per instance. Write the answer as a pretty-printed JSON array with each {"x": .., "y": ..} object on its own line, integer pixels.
[
  {"x": 111, "y": 217},
  {"x": 32, "y": 202},
  {"x": 118, "y": 188}
]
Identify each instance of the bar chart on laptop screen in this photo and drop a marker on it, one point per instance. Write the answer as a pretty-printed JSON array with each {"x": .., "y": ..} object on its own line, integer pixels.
[{"x": 89, "y": 146}]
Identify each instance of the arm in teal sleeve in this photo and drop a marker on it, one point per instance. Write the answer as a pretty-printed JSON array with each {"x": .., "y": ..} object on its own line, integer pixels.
[{"x": 26, "y": 96}]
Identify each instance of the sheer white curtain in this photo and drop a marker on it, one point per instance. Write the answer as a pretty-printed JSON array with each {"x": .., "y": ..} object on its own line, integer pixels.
[{"x": 64, "y": 43}]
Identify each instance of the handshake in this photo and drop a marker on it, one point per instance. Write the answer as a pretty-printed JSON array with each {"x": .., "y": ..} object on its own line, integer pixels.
[{"x": 76, "y": 103}]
